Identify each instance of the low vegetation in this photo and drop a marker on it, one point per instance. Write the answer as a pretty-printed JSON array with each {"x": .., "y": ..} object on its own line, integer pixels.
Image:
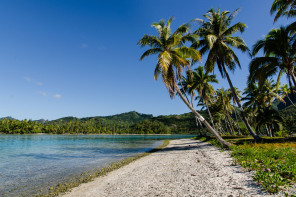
[
  {"x": 275, "y": 163},
  {"x": 273, "y": 159}
]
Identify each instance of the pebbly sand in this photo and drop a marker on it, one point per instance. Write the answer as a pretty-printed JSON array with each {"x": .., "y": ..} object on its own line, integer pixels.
[{"x": 184, "y": 168}]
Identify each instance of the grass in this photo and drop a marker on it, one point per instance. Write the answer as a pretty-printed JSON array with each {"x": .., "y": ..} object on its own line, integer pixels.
[
  {"x": 273, "y": 159},
  {"x": 89, "y": 176}
]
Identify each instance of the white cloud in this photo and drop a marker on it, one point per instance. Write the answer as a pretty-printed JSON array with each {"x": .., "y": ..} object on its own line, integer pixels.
[
  {"x": 57, "y": 96},
  {"x": 43, "y": 93},
  {"x": 27, "y": 78},
  {"x": 101, "y": 48},
  {"x": 84, "y": 46},
  {"x": 30, "y": 80},
  {"x": 38, "y": 83}
]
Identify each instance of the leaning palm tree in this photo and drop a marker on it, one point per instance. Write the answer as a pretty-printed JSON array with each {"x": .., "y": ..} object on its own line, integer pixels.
[
  {"x": 279, "y": 57},
  {"x": 283, "y": 8},
  {"x": 185, "y": 85},
  {"x": 173, "y": 56},
  {"x": 218, "y": 41},
  {"x": 201, "y": 83}
]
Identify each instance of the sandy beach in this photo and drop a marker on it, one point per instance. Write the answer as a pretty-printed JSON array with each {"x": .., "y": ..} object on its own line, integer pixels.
[{"x": 184, "y": 168}]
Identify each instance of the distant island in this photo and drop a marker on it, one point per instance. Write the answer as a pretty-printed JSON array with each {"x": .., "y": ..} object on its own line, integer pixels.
[{"x": 125, "y": 123}]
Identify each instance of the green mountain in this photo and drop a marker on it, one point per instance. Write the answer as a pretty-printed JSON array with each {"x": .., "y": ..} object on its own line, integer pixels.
[
  {"x": 130, "y": 122},
  {"x": 289, "y": 116},
  {"x": 65, "y": 119},
  {"x": 8, "y": 118},
  {"x": 141, "y": 123},
  {"x": 127, "y": 118},
  {"x": 287, "y": 112},
  {"x": 277, "y": 104}
]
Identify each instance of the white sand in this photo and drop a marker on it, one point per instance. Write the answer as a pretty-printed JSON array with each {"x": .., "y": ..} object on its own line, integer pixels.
[{"x": 184, "y": 168}]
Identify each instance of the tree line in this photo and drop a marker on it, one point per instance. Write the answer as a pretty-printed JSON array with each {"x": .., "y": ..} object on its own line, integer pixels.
[
  {"x": 216, "y": 39},
  {"x": 126, "y": 123}
]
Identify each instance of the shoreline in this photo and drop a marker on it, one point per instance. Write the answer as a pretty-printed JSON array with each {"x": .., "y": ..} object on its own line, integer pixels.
[
  {"x": 89, "y": 176},
  {"x": 183, "y": 168},
  {"x": 94, "y": 134}
]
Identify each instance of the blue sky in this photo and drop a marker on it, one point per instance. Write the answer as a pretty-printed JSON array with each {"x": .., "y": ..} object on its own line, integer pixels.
[{"x": 79, "y": 58}]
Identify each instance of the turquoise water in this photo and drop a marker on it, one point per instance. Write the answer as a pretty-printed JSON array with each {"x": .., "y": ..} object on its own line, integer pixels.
[{"x": 29, "y": 163}]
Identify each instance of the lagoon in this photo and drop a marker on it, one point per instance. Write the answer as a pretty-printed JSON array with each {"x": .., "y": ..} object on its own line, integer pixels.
[{"x": 30, "y": 163}]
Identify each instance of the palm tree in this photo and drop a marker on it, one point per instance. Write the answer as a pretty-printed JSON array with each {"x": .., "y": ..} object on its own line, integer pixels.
[
  {"x": 283, "y": 8},
  {"x": 238, "y": 93},
  {"x": 217, "y": 40},
  {"x": 201, "y": 83},
  {"x": 279, "y": 57},
  {"x": 223, "y": 97},
  {"x": 285, "y": 91},
  {"x": 173, "y": 56},
  {"x": 261, "y": 97},
  {"x": 251, "y": 98},
  {"x": 269, "y": 93},
  {"x": 270, "y": 118},
  {"x": 186, "y": 84}
]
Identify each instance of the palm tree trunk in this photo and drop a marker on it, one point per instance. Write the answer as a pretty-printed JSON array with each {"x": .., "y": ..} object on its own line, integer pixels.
[
  {"x": 255, "y": 136},
  {"x": 207, "y": 125},
  {"x": 203, "y": 133},
  {"x": 290, "y": 100},
  {"x": 270, "y": 131},
  {"x": 236, "y": 123},
  {"x": 210, "y": 115},
  {"x": 221, "y": 129},
  {"x": 293, "y": 78},
  {"x": 227, "y": 126},
  {"x": 230, "y": 126},
  {"x": 267, "y": 131}
]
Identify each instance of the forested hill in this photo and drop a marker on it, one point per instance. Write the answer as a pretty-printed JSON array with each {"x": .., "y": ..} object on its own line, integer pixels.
[
  {"x": 278, "y": 105},
  {"x": 140, "y": 123},
  {"x": 128, "y": 118},
  {"x": 120, "y": 120},
  {"x": 130, "y": 122},
  {"x": 287, "y": 112}
]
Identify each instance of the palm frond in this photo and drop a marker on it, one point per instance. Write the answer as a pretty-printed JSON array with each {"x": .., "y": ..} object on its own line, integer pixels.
[
  {"x": 165, "y": 60},
  {"x": 149, "y": 52},
  {"x": 235, "y": 28}
]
